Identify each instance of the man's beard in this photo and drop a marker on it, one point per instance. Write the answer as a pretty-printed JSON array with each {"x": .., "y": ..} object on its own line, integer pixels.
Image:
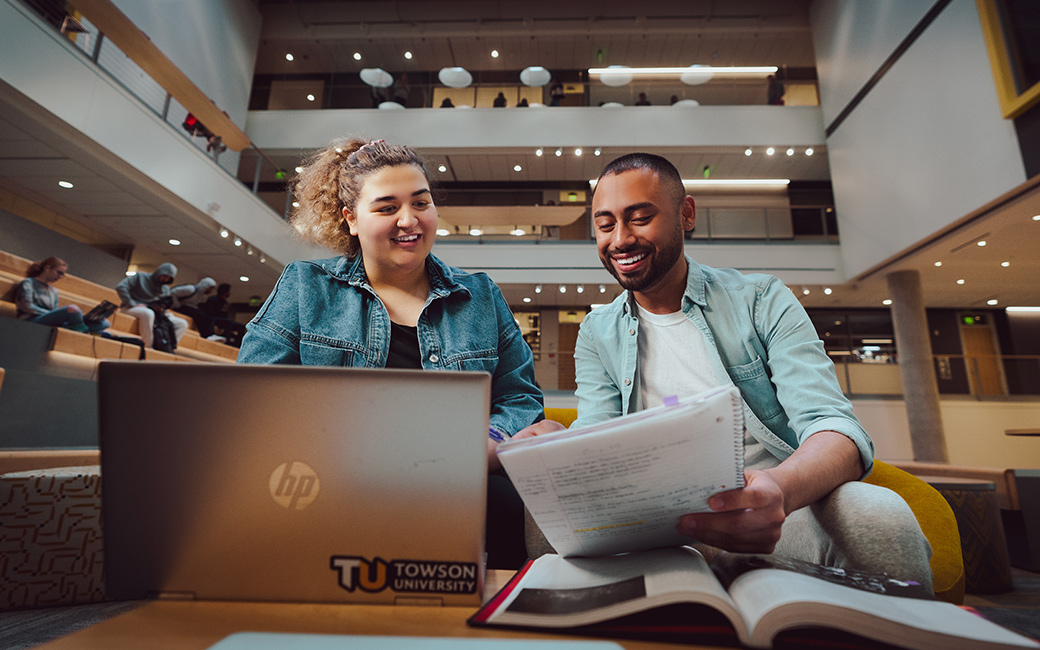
[{"x": 661, "y": 262}]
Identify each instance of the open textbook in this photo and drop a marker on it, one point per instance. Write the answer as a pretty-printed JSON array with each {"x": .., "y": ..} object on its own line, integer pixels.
[
  {"x": 761, "y": 600},
  {"x": 621, "y": 485}
]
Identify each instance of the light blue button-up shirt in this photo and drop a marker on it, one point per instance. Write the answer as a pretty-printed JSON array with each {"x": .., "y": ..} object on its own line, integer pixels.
[
  {"x": 324, "y": 313},
  {"x": 765, "y": 344}
]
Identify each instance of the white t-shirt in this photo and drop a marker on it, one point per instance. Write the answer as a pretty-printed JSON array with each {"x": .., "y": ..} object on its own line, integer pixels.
[{"x": 674, "y": 359}]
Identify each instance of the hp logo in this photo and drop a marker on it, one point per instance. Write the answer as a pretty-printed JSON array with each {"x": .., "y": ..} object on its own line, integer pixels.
[{"x": 294, "y": 485}]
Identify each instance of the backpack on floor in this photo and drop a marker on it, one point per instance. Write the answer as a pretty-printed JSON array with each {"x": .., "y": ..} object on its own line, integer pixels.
[{"x": 163, "y": 336}]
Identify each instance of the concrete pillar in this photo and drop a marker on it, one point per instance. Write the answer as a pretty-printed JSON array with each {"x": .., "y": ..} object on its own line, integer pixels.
[{"x": 916, "y": 368}]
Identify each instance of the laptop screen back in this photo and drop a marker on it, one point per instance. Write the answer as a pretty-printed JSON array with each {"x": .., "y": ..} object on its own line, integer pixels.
[{"x": 289, "y": 483}]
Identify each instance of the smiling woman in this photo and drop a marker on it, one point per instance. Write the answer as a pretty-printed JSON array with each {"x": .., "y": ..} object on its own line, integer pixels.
[{"x": 387, "y": 301}]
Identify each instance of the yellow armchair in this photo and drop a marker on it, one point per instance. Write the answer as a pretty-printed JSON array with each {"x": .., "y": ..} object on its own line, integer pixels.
[{"x": 933, "y": 514}]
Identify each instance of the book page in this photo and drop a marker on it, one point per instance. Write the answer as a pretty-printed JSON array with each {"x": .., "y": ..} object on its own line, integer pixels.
[
  {"x": 568, "y": 592},
  {"x": 772, "y": 600},
  {"x": 622, "y": 485}
]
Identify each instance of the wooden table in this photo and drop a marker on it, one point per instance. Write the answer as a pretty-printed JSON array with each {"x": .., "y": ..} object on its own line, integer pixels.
[{"x": 181, "y": 625}]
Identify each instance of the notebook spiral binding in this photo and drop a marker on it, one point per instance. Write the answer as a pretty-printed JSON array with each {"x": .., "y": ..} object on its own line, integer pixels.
[{"x": 738, "y": 437}]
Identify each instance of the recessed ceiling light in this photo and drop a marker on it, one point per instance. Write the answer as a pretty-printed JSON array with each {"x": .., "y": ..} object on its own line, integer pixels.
[
  {"x": 238, "y": 241},
  {"x": 1005, "y": 264},
  {"x": 527, "y": 299},
  {"x": 517, "y": 168},
  {"x": 67, "y": 185},
  {"x": 310, "y": 98},
  {"x": 790, "y": 151},
  {"x": 249, "y": 251},
  {"x": 991, "y": 301},
  {"x": 408, "y": 55},
  {"x": 961, "y": 281},
  {"x": 748, "y": 152},
  {"x": 494, "y": 54},
  {"x": 886, "y": 301},
  {"x": 809, "y": 151},
  {"x": 538, "y": 288},
  {"x": 602, "y": 289},
  {"x": 263, "y": 260},
  {"x": 244, "y": 278},
  {"x": 563, "y": 288},
  {"x": 805, "y": 291},
  {"x": 289, "y": 57},
  {"x": 827, "y": 291},
  {"x": 981, "y": 243},
  {"x": 938, "y": 263},
  {"x": 443, "y": 232},
  {"x": 357, "y": 56},
  {"x": 295, "y": 204},
  {"x": 538, "y": 152},
  {"x": 476, "y": 232},
  {"x": 519, "y": 232},
  {"x": 175, "y": 242},
  {"x": 580, "y": 288},
  {"x": 559, "y": 152},
  {"x": 1036, "y": 217},
  {"x": 597, "y": 152},
  {"x": 577, "y": 152},
  {"x": 442, "y": 168},
  {"x": 299, "y": 169},
  {"x": 131, "y": 274},
  {"x": 770, "y": 151},
  {"x": 224, "y": 233}
]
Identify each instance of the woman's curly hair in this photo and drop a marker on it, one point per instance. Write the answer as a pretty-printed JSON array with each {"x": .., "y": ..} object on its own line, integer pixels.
[{"x": 332, "y": 179}]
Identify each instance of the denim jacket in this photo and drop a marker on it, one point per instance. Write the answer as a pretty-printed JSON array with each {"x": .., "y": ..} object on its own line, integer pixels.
[
  {"x": 324, "y": 313},
  {"x": 766, "y": 346}
]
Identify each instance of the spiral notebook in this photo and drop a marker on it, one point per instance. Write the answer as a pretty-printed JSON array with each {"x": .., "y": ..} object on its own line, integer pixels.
[{"x": 621, "y": 485}]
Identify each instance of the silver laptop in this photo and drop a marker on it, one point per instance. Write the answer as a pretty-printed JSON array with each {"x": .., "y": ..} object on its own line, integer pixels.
[{"x": 289, "y": 483}]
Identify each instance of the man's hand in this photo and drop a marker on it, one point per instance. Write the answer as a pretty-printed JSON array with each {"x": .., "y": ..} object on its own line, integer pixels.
[{"x": 746, "y": 520}]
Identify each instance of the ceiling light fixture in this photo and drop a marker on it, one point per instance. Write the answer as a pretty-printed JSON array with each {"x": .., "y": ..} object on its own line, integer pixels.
[
  {"x": 580, "y": 288},
  {"x": 310, "y": 98},
  {"x": 408, "y": 55},
  {"x": 770, "y": 151},
  {"x": 1005, "y": 264},
  {"x": 517, "y": 168},
  {"x": 442, "y": 169},
  {"x": 538, "y": 152},
  {"x": 597, "y": 152},
  {"x": 289, "y": 57},
  {"x": 748, "y": 152},
  {"x": 790, "y": 151},
  {"x": 263, "y": 259},
  {"x": 527, "y": 299},
  {"x": 1036, "y": 217},
  {"x": 224, "y": 233},
  {"x": 67, "y": 185},
  {"x": 809, "y": 151},
  {"x": 538, "y": 288},
  {"x": 559, "y": 152},
  {"x": 700, "y": 70},
  {"x": 443, "y": 232},
  {"x": 805, "y": 291},
  {"x": 238, "y": 241},
  {"x": 244, "y": 278},
  {"x": 563, "y": 288},
  {"x": 938, "y": 263},
  {"x": 295, "y": 204},
  {"x": 357, "y": 56},
  {"x": 518, "y": 232},
  {"x": 577, "y": 152},
  {"x": 961, "y": 281},
  {"x": 249, "y": 251},
  {"x": 602, "y": 289},
  {"x": 981, "y": 242},
  {"x": 886, "y": 302},
  {"x": 175, "y": 242},
  {"x": 494, "y": 54},
  {"x": 299, "y": 169},
  {"x": 991, "y": 301},
  {"x": 476, "y": 232},
  {"x": 827, "y": 291}
]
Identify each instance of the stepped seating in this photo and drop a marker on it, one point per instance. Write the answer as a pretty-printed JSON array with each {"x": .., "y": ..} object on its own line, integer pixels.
[{"x": 85, "y": 295}]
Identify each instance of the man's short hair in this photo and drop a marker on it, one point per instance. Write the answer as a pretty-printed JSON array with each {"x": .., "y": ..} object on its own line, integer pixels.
[{"x": 665, "y": 171}]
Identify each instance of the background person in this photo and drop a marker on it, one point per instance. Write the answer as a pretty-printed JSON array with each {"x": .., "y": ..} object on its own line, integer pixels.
[
  {"x": 188, "y": 299},
  {"x": 218, "y": 307},
  {"x": 37, "y": 300},
  {"x": 138, "y": 291},
  {"x": 389, "y": 302}
]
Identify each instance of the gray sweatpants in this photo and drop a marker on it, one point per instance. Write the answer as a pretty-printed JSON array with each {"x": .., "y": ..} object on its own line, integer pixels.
[{"x": 857, "y": 526}]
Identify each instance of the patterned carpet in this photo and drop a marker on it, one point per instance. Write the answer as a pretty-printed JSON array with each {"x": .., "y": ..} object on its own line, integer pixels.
[{"x": 1017, "y": 610}]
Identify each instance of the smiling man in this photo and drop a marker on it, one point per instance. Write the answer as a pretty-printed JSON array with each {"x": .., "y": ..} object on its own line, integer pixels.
[{"x": 681, "y": 328}]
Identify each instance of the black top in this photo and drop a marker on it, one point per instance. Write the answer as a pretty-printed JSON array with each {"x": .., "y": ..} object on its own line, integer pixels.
[{"x": 404, "y": 347}]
